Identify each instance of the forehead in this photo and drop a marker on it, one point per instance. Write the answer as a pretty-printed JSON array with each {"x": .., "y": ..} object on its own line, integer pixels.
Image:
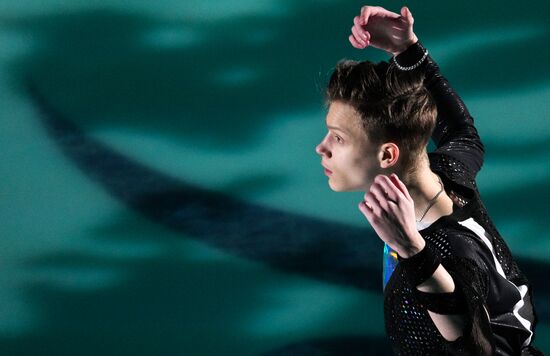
[{"x": 345, "y": 117}]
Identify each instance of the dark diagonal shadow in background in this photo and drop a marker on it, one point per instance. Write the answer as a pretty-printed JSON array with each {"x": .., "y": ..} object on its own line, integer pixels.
[
  {"x": 328, "y": 251},
  {"x": 332, "y": 252}
]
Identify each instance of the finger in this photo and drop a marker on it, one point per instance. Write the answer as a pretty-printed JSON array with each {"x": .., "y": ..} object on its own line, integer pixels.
[
  {"x": 394, "y": 212},
  {"x": 366, "y": 210},
  {"x": 354, "y": 42},
  {"x": 355, "y": 32},
  {"x": 358, "y": 36},
  {"x": 373, "y": 203},
  {"x": 399, "y": 184},
  {"x": 357, "y": 21},
  {"x": 407, "y": 15},
  {"x": 380, "y": 195},
  {"x": 392, "y": 192},
  {"x": 367, "y": 33},
  {"x": 368, "y": 11},
  {"x": 357, "y": 24}
]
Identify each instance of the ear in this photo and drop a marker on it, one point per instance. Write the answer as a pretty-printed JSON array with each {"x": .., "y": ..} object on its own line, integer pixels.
[{"x": 388, "y": 154}]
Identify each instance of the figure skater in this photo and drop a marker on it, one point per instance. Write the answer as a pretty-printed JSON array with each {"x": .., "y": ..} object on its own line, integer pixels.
[{"x": 451, "y": 285}]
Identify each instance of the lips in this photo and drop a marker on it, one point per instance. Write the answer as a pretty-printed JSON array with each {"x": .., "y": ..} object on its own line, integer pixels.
[{"x": 327, "y": 171}]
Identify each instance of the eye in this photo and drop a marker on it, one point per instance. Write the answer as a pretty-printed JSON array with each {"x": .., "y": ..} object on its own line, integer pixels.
[{"x": 338, "y": 139}]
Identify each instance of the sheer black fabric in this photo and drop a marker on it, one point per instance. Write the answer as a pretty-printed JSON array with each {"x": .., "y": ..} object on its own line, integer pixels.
[{"x": 491, "y": 291}]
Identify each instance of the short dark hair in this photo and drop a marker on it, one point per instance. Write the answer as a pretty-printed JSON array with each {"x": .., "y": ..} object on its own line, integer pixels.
[{"x": 394, "y": 105}]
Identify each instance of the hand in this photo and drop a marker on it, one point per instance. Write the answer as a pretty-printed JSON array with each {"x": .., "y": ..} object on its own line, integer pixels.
[
  {"x": 390, "y": 210},
  {"x": 383, "y": 29}
]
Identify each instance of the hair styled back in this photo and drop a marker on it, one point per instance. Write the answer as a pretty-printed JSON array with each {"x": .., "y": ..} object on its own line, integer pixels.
[{"x": 394, "y": 105}]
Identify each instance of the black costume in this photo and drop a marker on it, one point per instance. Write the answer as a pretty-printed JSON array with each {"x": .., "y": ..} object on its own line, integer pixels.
[{"x": 489, "y": 287}]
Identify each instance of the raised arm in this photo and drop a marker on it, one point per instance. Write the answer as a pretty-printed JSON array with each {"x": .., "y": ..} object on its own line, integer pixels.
[{"x": 455, "y": 133}]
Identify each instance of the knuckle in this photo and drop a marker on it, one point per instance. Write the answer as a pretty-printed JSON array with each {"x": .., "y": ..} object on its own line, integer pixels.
[{"x": 372, "y": 191}]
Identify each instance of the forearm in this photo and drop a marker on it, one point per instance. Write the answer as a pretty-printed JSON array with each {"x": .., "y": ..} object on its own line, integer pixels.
[
  {"x": 405, "y": 45},
  {"x": 437, "y": 291},
  {"x": 450, "y": 326},
  {"x": 454, "y": 131},
  {"x": 453, "y": 117}
]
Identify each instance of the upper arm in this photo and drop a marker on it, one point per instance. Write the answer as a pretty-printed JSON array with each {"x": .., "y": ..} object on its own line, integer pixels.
[
  {"x": 466, "y": 261},
  {"x": 469, "y": 264},
  {"x": 454, "y": 133}
]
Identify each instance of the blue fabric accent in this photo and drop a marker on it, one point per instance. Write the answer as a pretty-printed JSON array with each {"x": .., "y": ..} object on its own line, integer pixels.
[{"x": 389, "y": 263}]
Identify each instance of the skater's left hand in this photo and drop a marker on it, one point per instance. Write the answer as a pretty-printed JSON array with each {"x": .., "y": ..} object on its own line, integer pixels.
[{"x": 380, "y": 28}]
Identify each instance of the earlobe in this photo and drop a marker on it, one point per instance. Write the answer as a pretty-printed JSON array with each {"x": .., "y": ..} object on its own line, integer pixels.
[{"x": 388, "y": 155}]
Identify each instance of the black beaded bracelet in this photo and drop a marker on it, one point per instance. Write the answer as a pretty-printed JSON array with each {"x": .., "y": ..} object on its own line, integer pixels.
[{"x": 421, "y": 266}]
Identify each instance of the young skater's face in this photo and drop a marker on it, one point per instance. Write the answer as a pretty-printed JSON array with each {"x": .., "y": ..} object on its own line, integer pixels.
[{"x": 350, "y": 160}]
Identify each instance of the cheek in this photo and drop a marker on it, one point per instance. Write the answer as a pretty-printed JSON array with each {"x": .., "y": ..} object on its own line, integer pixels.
[
  {"x": 357, "y": 168},
  {"x": 360, "y": 162},
  {"x": 365, "y": 166},
  {"x": 353, "y": 161}
]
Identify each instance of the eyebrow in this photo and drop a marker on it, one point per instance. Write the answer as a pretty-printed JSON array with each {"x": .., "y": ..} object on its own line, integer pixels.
[{"x": 339, "y": 129}]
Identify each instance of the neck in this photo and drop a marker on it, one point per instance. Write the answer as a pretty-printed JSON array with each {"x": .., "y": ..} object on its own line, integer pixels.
[{"x": 423, "y": 186}]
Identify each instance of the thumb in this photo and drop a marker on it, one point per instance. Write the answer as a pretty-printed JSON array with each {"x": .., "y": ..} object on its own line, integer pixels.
[{"x": 406, "y": 13}]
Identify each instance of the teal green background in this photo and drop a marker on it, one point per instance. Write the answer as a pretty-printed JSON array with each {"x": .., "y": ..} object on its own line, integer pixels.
[{"x": 227, "y": 96}]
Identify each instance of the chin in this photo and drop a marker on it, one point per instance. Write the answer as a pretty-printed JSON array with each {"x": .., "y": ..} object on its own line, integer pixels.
[
  {"x": 333, "y": 187},
  {"x": 339, "y": 188}
]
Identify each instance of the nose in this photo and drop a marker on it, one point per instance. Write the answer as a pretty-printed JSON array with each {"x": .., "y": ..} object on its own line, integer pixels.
[{"x": 322, "y": 150}]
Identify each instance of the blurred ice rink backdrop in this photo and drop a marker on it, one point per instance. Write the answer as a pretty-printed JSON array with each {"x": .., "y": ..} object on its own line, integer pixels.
[{"x": 160, "y": 193}]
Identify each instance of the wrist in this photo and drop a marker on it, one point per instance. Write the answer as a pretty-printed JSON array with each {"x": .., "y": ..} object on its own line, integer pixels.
[
  {"x": 413, "y": 57},
  {"x": 417, "y": 245},
  {"x": 421, "y": 266},
  {"x": 406, "y": 45}
]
